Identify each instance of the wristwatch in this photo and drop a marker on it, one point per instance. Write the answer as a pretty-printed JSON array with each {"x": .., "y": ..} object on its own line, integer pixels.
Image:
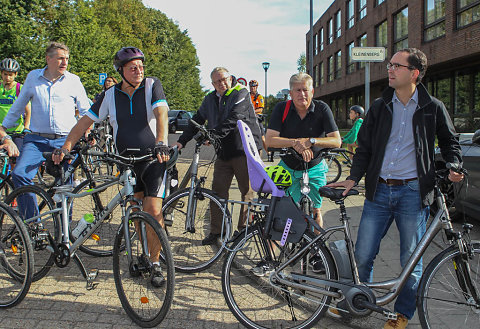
[
  {"x": 5, "y": 138},
  {"x": 313, "y": 141}
]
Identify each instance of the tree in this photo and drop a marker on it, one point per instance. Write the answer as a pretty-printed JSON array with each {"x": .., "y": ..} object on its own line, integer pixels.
[{"x": 302, "y": 63}]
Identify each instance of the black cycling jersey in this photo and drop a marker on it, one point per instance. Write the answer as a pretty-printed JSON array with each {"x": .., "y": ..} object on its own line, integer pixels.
[{"x": 132, "y": 118}]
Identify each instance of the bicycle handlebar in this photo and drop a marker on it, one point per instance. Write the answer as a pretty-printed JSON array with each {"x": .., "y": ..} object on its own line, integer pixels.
[{"x": 205, "y": 135}]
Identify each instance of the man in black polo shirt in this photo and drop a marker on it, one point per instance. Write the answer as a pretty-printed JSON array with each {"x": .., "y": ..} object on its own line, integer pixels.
[{"x": 307, "y": 126}]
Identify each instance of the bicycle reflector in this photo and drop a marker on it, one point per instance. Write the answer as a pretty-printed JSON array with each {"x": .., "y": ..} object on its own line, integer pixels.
[{"x": 279, "y": 175}]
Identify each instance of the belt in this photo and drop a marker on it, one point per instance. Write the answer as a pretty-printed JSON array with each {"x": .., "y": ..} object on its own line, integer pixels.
[
  {"x": 395, "y": 182},
  {"x": 49, "y": 136}
]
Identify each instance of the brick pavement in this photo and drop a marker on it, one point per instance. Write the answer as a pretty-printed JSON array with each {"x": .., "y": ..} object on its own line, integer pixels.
[{"x": 61, "y": 301}]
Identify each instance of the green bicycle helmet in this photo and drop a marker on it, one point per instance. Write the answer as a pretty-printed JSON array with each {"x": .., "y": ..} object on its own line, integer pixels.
[{"x": 279, "y": 175}]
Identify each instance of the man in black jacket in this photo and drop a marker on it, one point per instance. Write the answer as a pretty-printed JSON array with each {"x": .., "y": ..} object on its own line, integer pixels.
[
  {"x": 399, "y": 170},
  {"x": 229, "y": 102}
]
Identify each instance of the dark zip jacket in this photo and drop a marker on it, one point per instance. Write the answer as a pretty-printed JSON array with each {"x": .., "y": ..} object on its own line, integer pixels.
[
  {"x": 429, "y": 120},
  {"x": 221, "y": 115}
]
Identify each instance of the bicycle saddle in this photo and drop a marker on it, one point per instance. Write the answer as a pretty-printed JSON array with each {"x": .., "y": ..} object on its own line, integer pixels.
[{"x": 335, "y": 193}]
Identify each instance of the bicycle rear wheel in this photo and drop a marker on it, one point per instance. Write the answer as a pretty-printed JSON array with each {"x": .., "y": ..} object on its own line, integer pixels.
[
  {"x": 445, "y": 299},
  {"x": 16, "y": 258},
  {"x": 257, "y": 303},
  {"x": 189, "y": 254},
  {"x": 100, "y": 243},
  {"x": 37, "y": 229},
  {"x": 145, "y": 304},
  {"x": 334, "y": 169},
  {"x": 6, "y": 186}
]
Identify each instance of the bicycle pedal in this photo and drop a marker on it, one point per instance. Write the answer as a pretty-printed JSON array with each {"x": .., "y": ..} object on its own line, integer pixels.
[
  {"x": 91, "y": 275},
  {"x": 390, "y": 315}
]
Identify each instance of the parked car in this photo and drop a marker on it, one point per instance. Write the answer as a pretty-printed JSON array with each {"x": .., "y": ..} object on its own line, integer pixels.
[
  {"x": 467, "y": 197},
  {"x": 178, "y": 120}
]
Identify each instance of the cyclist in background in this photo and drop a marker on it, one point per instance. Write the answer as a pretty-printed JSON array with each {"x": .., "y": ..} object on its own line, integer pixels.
[
  {"x": 9, "y": 91},
  {"x": 350, "y": 139},
  {"x": 258, "y": 105}
]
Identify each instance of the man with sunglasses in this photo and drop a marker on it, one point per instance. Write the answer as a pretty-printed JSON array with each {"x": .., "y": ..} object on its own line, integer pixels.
[{"x": 399, "y": 170}]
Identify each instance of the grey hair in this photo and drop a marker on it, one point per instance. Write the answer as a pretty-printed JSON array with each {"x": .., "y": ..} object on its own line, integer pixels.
[
  {"x": 218, "y": 69},
  {"x": 301, "y": 77},
  {"x": 53, "y": 46}
]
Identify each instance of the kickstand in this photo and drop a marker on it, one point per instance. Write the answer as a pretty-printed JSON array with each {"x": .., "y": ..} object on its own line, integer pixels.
[{"x": 89, "y": 276}]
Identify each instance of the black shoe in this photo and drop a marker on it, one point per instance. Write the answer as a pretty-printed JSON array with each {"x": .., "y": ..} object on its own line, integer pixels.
[
  {"x": 263, "y": 268},
  {"x": 346, "y": 162},
  {"x": 317, "y": 265},
  {"x": 156, "y": 277},
  {"x": 210, "y": 239}
]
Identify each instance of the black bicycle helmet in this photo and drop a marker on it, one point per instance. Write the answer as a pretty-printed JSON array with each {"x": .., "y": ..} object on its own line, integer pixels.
[
  {"x": 253, "y": 83},
  {"x": 125, "y": 55},
  {"x": 358, "y": 109},
  {"x": 9, "y": 65}
]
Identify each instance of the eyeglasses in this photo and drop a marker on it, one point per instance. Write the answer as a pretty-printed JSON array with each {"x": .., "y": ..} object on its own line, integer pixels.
[
  {"x": 134, "y": 68},
  {"x": 396, "y": 66},
  {"x": 219, "y": 81}
]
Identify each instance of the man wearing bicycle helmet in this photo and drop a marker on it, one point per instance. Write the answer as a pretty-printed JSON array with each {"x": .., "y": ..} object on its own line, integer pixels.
[
  {"x": 350, "y": 139},
  {"x": 257, "y": 99},
  {"x": 307, "y": 125},
  {"x": 396, "y": 154},
  {"x": 138, "y": 112},
  {"x": 9, "y": 91},
  {"x": 221, "y": 109}
]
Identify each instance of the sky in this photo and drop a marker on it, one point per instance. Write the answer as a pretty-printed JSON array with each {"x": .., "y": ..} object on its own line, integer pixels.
[{"x": 242, "y": 34}]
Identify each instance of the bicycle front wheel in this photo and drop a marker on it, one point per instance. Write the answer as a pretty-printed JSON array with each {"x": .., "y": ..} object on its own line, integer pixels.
[
  {"x": 189, "y": 254},
  {"x": 29, "y": 201},
  {"x": 334, "y": 169},
  {"x": 444, "y": 297},
  {"x": 146, "y": 304},
  {"x": 257, "y": 303},
  {"x": 16, "y": 258},
  {"x": 6, "y": 186}
]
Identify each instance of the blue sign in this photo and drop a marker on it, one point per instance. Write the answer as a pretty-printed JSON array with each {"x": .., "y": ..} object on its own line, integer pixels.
[{"x": 101, "y": 78}]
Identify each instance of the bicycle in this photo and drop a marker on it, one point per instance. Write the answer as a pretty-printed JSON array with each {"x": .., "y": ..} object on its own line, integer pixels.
[
  {"x": 193, "y": 205},
  {"x": 145, "y": 304},
  {"x": 292, "y": 297},
  {"x": 16, "y": 258},
  {"x": 101, "y": 244},
  {"x": 335, "y": 168}
]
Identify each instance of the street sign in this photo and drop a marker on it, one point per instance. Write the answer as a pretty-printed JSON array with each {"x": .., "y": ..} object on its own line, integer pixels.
[
  {"x": 368, "y": 54},
  {"x": 242, "y": 81},
  {"x": 101, "y": 78}
]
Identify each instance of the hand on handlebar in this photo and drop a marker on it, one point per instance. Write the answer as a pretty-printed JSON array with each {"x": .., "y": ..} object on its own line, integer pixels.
[
  {"x": 307, "y": 155},
  {"x": 58, "y": 155},
  {"x": 347, "y": 184},
  {"x": 455, "y": 176},
  {"x": 301, "y": 144},
  {"x": 162, "y": 152}
]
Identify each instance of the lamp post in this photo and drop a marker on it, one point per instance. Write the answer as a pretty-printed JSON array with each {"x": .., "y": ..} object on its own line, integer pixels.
[{"x": 265, "y": 65}]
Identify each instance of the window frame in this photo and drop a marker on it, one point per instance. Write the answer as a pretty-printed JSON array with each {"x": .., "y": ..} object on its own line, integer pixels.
[
  {"x": 377, "y": 44},
  {"x": 432, "y": 24},
  {"x": 351, "y": 67},
  {"x": 462, "y": 10},
  {"x": 403, "y": 38},
  {"x": 338, "y": 24},
  {"x": 362, "y": 10},
  {"x": 350, "y": 14},
  {"x": 330, "y": 69},
  {"x": 330, "y": 33},
  {"x": 338, "y": 65}
]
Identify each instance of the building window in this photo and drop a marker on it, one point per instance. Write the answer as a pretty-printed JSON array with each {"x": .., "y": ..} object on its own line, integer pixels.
[
  {"x": 330, "y": 30},
  {"x": 381, "y": 35},
  {"x": 362, "y": 42},
  {"x": 321, "y": 74},
  {"x": 434, "y": 19},
  {"x": 315, "y": 44},
  {"x": 350, "y": 63},
  {"x": 362, "y": 9},
  {"x": 320, "y": 41},
  {"x": 379, "y": 2},
  {"x": 338, "y": 22},
  {"x": 315, "y": 76},
  {"x": 338, "y": 64},
  {"x": 350, "y": 14},
  {"x": 400, "y": 30},
  {"x": 330, "y": 69},
  {"x": 468, "y": 12}
]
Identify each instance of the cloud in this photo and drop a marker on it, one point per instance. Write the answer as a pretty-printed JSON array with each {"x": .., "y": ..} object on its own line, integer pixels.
[{"x": 240, "y": 35}]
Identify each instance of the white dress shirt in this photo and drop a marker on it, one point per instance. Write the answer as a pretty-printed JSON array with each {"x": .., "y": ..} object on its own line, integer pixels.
[{"x": 53, "y": 103}]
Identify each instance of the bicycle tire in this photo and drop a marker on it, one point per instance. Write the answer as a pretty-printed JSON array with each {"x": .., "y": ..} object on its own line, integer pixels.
[
  {"x": 16, "y": 258},
  {"x": 255, "y": 302},
  {"x": 145, "y": 305},
  {"x": 190, "y": 255},
  {"x": 6, "y": 186},
  {"x": 44, "y": 259},
  {"x": 441, "y": 300},
  {"x": 334, "y": 169},
  {"x": 100, "y": 242}
]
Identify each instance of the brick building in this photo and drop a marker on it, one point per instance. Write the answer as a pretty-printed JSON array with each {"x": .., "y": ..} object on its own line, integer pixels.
[{"x": 448, "y": 31}]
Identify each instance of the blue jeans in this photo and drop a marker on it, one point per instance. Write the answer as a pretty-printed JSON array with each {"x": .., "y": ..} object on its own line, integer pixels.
[
  {"x": 27, "y": 166},
  {"x": 404, "y": 205}
]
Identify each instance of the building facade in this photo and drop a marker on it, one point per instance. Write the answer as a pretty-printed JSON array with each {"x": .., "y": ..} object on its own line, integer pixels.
[{"x": 447, "y": 31}]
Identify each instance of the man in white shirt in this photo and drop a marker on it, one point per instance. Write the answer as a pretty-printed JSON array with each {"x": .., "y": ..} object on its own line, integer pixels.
[{"x": 54, "y": 94}]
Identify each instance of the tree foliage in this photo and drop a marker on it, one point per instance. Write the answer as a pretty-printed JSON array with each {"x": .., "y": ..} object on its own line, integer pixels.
[
  {"x": 302, "y": 63},
  {"x": 94, "y": 30}
]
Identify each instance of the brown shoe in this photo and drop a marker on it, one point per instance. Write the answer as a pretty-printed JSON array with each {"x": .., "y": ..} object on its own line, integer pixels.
[{"x": 400, "y": 323}]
